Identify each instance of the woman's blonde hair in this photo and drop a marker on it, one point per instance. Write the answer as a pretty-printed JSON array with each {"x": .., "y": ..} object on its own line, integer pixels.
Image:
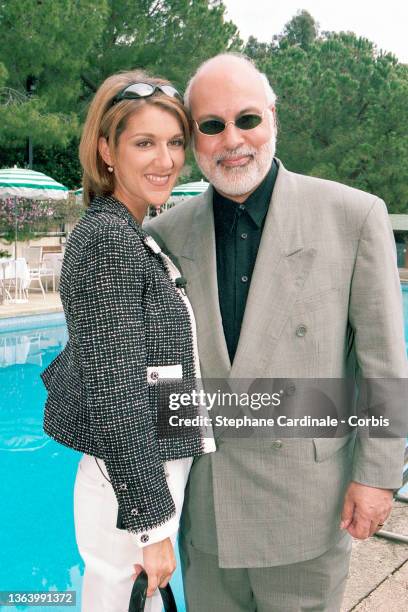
[{"x": 109, "y": 120}]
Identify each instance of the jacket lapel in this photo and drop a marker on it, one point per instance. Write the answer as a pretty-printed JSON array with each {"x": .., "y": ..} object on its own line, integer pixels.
[
  {"x": 198, "y": 261},
  {"x": 282, "y": 266}
]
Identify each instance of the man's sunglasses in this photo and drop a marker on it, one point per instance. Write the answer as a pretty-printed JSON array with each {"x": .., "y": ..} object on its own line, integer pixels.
[
  {"x": 145, "y": 90},
  {"x": 211, "y": 127}
]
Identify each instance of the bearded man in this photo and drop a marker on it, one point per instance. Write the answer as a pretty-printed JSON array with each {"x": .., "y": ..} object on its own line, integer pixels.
[{"x": 290, "y": 277}]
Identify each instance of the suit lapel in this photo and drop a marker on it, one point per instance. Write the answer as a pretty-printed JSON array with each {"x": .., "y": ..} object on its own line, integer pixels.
[
  {"x": 281, "y": 268},
  {"x": 198, "y": 262}
]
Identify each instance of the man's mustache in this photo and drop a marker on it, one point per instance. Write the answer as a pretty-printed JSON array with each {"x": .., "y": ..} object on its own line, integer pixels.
[{"x": 234, "y": 154}]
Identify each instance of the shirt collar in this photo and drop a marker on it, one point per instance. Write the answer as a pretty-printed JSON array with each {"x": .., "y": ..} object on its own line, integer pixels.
[{"x": 256, "y": 205}]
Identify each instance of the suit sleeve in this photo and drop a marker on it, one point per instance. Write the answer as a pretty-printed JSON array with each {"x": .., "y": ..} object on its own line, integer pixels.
[
  {"x": 376, "y": 317},
  {"x": 109, "y": 319}
]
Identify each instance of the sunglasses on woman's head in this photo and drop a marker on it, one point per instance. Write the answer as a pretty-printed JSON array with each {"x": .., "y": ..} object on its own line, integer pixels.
[
  {"x": 212, "y": 127},
  {"x": 145, "y": 90}
]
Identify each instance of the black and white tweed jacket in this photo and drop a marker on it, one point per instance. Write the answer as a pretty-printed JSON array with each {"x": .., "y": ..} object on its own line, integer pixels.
[{"x": 128, "y": 324}]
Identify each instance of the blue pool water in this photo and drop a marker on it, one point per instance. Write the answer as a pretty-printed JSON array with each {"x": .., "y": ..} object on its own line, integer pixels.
[{"x": 37, "y": 545}]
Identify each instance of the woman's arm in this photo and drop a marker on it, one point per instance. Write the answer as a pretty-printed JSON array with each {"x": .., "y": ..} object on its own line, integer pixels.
[{"x": 109, "y": 325}]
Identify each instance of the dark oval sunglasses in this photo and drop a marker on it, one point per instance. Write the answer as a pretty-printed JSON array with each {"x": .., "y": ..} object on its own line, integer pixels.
[
  {"x": 211, "y": 127},
  {"x": 145, "y": 90}
]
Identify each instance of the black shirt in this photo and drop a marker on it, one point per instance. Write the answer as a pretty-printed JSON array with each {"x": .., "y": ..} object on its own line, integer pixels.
[{"x": 238, "y": 232}]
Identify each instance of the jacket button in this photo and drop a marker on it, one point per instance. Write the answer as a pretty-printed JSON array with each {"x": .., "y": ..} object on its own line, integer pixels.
[
  {"x": 134, "y": 512},
  {"x": 301, "y": 330},
  {"x": 123, "y": 487},
  {"x": 290, "y": 389},
  {"x": 144, "y": 538},
  {"x": 154, "y": 375},
  {"x": 277, "y": 444}
]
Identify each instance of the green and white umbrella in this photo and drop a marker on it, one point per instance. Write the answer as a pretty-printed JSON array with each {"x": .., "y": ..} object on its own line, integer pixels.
[
  {"x": 179, "y": 193},
  {"x": 185, "y": 191},
  {"x": 189, "y": 189},
  {"x": 22, "y": 183},
  {"x": 18, "y": 183}
]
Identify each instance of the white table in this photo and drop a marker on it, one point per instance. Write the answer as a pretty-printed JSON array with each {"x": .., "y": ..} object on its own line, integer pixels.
[{"x": 17, "y": 270}]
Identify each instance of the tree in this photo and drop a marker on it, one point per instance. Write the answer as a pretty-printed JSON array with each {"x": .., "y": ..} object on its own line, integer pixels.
[
  {"x": 257, "y": 51},
  {"x": 53, "y": 64},
  {"x": 301, "y": 30},
  {"x": 165, "y": 37},
  {"x": 44, "y": 46},
  {"x": 343, "y": 114}
]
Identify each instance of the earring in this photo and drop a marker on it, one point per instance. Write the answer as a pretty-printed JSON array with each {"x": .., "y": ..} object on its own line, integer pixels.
[{"x": 110, "y": 169}]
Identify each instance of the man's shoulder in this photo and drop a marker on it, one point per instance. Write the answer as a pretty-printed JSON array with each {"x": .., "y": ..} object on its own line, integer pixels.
[
  {"x": 177, "y": 219},
  {"x": 325, "y": 192},
  {"x": 332, "y": 202}
]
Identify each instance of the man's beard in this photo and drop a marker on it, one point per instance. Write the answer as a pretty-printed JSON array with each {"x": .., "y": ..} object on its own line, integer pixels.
[{"x": 238, "y": 180}]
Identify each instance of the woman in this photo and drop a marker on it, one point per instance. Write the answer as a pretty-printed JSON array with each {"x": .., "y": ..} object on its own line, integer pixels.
[{"x": 131, "y": 341}]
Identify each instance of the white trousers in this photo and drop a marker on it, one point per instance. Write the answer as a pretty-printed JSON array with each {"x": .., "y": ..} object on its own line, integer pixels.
[{"x": 109, "y": 553}]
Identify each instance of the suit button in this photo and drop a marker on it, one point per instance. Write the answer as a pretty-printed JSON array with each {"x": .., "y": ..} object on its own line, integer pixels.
[
  {"x": 154, "y": 375},
  {"x": 290, "y": 389},
  {"x": 244, "y": 279},
  {"x": 123, "y": 487},
  {"x": 244, "y": 235},
  {"x": 134, "y": 512},
  {"x": 301, "y": 330},
  {"x": 277, "y": 444},
  {"x": 144, "y": 538}
]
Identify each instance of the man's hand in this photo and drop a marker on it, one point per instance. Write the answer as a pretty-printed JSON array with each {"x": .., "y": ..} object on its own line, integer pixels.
[
  {"x": 365, "y": 509},
  {"x": 159, "y": 564}
]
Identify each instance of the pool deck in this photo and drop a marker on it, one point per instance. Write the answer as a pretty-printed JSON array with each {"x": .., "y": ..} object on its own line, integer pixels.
[
  {"x": 378, "y": 577},
  {"x": 36, "y": 305}
]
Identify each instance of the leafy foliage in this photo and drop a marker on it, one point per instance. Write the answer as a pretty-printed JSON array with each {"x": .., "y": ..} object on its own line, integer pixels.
[
  {"x": 342, "y": 111},
  {"x": 51, "y": 65},
  {"x": 341, "y": 104},
  {"x": 301, "y": 30},
  {"x": 27, "y": 218}
]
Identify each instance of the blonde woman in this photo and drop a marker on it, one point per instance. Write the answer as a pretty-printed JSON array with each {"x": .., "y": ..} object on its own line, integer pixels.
[{"x": 131, "y": 331}]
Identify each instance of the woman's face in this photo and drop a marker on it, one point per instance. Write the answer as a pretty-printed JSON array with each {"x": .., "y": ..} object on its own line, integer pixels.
[{"x": 149, "y": 157}]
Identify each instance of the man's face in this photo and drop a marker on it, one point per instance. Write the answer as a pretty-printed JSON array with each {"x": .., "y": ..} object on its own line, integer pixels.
[{"x": 234, "y": 161}]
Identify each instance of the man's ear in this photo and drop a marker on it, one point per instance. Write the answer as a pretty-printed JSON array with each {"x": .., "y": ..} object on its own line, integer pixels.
[
  {"x": 104, "y": 151},
  {"x": 273, "y": 113}
]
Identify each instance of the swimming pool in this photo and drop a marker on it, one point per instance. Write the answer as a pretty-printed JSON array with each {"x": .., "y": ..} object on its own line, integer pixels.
[{"x": 37, "y": 547}]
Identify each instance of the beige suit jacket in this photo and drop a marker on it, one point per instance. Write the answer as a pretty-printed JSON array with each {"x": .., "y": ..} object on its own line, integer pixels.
[{"x": 327, "y": 263}]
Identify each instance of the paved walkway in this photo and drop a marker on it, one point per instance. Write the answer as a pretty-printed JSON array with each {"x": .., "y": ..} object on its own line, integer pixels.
[
  {"x": 36, "y": 305},
  {"x": 378, "y": 579}
]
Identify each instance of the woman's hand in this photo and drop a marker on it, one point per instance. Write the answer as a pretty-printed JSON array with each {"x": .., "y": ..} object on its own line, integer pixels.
[{"x": 159, "y": 563}]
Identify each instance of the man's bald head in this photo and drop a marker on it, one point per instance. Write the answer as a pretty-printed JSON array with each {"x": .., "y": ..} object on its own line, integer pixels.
[{"x": 228, "y": 67}]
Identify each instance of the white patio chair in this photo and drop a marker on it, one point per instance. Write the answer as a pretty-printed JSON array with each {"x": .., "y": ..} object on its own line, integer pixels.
[
  {"x": 10, "y": 281},
  {"x": 38, "y": 269}
]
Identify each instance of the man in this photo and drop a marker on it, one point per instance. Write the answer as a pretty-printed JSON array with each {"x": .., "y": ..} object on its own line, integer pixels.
[{"x": 290, "y": 277}]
